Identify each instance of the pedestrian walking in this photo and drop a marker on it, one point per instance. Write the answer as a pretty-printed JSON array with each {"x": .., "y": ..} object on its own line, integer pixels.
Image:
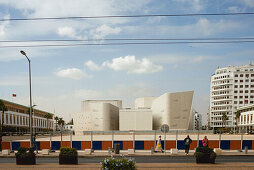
[
  {"x": 158, "y": 145},
  {"x": 187, "y": 142},
  {"x": 205, "y": 142}
]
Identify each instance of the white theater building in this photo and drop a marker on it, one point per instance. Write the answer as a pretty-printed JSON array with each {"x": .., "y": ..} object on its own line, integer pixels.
[
  {"x": 232, "y": 87},
  {"x": 97, "y": 115}
]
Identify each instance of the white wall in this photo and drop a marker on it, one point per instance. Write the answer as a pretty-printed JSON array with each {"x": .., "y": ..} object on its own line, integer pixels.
[
  {"x": 144, "y": 102},
  {"x": 133, "y": 119}
]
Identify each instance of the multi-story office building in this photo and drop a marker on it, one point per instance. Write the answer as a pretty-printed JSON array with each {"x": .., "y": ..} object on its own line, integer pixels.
[
  {"x": 231, "y": 87},
  {"x": 197, "y": 121},
  {"x": 246, "y": 119},
  {"x": 17, "y": 118}
]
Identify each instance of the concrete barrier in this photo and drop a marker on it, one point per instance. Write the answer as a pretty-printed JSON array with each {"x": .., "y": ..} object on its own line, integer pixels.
[
  {"x": 217, "y": 151},
  {"x": 45, "y": 151},
  {"x": 88, "y": 151},
  {"x": 131, "y": 152},
  {"x": 173, "y": 151},
  {"x": 6, "y": 152}
]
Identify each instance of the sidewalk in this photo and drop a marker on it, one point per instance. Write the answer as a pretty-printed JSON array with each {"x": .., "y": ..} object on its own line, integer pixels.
[
  {"x": 137, "y": 153},
  {"x": 147, "y": 166}
]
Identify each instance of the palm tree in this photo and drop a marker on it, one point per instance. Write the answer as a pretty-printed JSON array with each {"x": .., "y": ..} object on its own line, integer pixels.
[
  {"x": 56, "y": 119},
  {"x": 48, "y": 116},
  {"x": 3, "y": 108},
  {"x": 237, "y": 116},
  {"x": 224, "y": 118},
  {"x": 61, "y": 124}
]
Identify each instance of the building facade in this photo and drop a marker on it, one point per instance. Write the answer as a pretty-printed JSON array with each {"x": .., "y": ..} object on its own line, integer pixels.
[
  {"x": 230, "y": 88},
  {"x": 97, "y": 115},
  {"x": 17, "y": 118},
  {"x": 246, "y": 119},
  {"x": 197, "y": 121}
]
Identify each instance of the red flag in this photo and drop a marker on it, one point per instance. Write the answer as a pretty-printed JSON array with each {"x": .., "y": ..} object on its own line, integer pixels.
[{"x": 14, "y": 95}]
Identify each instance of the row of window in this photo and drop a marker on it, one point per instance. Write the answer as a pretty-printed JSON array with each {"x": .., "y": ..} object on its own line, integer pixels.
[
  {"x": 240, "y": 97},
  {"x": 246, "y": 75},
  {"x": 18, "y": 120},
  {"x": 220, "y": 87},
  {"x": 246, "y": 86},
  {"x": 220, "y": 103},
  {"x": 245, "y": 102},
  {"x": 221, "y": 97},
  {"x": 221, "y": 108},
  {"x": 221, "y": 82},
  {"x": 246, "y": 91},
  {"x": 246, "y": 80},
  {"x": 221, "y": 77},
  {"x": 220, "y": 92}
]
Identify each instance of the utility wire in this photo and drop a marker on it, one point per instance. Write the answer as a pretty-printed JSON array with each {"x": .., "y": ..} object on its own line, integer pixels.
[
  {"x": 131, "y": 43},
  {"x": 125, "y": 16},
  {"x": 129, "y": 39}
]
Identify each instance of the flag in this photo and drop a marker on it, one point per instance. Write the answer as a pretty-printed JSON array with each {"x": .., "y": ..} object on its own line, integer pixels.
[{"x": 14, "y": 95}]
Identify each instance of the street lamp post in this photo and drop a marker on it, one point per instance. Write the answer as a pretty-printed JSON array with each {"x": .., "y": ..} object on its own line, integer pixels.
[{"x": 30, "y": 86}]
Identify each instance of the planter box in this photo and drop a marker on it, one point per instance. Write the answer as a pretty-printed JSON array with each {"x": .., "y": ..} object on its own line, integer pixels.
[
  {"x": 204, "y": 158},
  {"x": 66, "y": 159},
  {"x": 26, "y": 161}
]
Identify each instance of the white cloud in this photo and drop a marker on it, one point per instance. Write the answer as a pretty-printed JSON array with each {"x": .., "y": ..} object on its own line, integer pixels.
[
  {"x": 132, "y": 65},
  {"x": 195, "y": 5},
  {"x": 249, "y": 3},
  {"x": 68, "y": 32},
  {"x": 235, "y": 9},
  {"x": 92, "y": 66},
  {"x": 73, "y": 73},
  {"x": 105, "y": 30},
  {"x": 3, "y": 26},
  {"x": 88, "y": 94}
]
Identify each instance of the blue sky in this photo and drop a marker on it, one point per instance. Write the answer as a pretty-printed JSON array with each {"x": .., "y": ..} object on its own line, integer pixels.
[{"x": 64, "y": 76}]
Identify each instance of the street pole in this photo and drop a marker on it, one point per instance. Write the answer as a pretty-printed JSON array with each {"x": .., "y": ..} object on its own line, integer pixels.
[{"x": 30, "y": 87}]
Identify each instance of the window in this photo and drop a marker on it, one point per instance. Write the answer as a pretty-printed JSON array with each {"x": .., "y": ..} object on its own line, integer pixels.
[
  {"x": 252, "y": 80},
  {"x": 235, "y": 102},
  {"x": 247, "y": 80},
  {"x": 241, "y": 75},
  {"x": 235, "y": 97},
  {"x": 251, "y": 102},
  {"x": 241, "y": 81},
  {"x": 236, "y": 86},
  {"x": 235, "y": 91},
  {"x": 252, "y": 75},
  {"x": 240, "y": 97},
  {"x": 251, "y": 96},
  {"x": 236, "y": 75},
  {"x": 236, "y": 81},
  {"x": 246, "y": 96},
  {"x": 252, "y": 91},
  {"x": 246, "y": 91},
  {"x": 246, "y": 86},
  {"x": 246, "y": 75},
  {"x": 241, "y": 102},
  {"x": 241, "y": 91},
  {"x": 241, "y": 86}
]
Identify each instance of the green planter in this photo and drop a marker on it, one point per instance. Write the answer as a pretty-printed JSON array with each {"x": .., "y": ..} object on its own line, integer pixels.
[
  {"x": 205, "y": 155},
  {"x": 25, "y": 156},
  {"x": 68, "y": 156}
]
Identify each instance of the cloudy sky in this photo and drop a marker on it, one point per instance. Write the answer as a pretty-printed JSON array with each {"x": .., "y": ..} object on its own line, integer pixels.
[{"x": 64, "y": 76}]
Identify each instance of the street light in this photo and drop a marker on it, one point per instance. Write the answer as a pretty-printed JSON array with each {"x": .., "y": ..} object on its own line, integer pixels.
[{"x": 30, "y": 86}]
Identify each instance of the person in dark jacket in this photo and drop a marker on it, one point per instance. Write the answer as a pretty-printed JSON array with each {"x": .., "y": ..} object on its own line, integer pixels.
[{"x": 187, "y": 142}]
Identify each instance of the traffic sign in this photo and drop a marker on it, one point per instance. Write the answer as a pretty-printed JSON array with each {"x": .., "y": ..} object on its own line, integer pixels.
[{"x": 164, "y": 128}]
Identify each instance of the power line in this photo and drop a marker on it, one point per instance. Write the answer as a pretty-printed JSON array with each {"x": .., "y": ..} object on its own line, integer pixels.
[
  {"x": 128, "y": 39},
  {"x": 131, "y": 43},
  {"x": 125, "y": 16}
]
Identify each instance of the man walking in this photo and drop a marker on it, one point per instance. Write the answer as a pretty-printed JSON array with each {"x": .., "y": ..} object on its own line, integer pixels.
[{"x": 187, "y": 142}]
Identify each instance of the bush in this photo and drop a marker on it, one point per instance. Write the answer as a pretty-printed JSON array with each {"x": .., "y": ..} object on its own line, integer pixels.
[
  {"x": 205, "y": 155},
  {"x": 118, "y": 164},
  {"x": 68, "y": 156},
  {"x": 25, "y": 156}
]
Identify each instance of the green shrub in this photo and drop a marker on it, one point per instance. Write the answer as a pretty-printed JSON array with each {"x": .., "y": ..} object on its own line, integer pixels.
[
  {"x": 118, "y": 164},
  {"x": 205, "y": 155},
  {"x": 25, "y": 156},
  {"x": 204, "y": 149},
  {"x": 68, "y": 151}
]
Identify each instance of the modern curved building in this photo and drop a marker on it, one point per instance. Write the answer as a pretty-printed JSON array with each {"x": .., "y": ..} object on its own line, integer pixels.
[{"x": 173, "y": 109}]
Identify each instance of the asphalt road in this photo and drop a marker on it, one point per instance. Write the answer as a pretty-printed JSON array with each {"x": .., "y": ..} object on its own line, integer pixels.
[{"x": 145, "y": 159}]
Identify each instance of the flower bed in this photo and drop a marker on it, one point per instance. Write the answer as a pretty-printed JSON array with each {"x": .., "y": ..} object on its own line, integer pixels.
[{"x": 118, "y": 164}]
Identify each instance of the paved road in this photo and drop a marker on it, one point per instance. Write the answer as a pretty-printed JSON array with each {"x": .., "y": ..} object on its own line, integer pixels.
[{"x": 146, "y": 159}]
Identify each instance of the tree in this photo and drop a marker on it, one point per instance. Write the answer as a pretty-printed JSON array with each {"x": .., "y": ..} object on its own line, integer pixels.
[
  {"x": 3, "y": 108},
  {"x": 70, "y": 122},
  {"x": 48, "y": 116},
  {"x": 61, "y": 124},
  {"x": 237, "y": 116},
  {"x": 56, "y": 119},
  {"x": 224, "y": 118}
]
